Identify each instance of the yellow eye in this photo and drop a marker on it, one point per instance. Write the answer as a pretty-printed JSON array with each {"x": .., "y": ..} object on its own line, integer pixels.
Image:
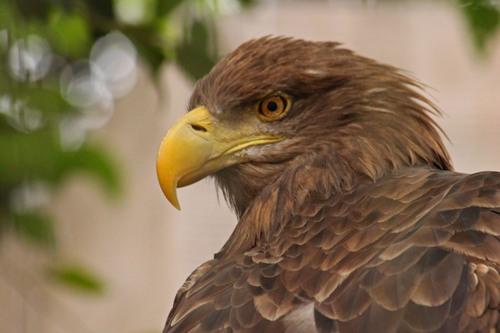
[{"x": 273, "y": 107}]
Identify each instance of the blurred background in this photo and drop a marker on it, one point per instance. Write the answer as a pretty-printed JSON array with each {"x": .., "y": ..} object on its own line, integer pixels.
[{"x": 88, "y": 88}]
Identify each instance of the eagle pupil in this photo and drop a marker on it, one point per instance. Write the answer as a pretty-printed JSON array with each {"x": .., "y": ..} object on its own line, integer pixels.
[{"x": 272, "y": 106}]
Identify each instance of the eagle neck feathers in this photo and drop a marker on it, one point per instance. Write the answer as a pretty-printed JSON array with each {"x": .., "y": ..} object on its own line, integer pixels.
[{"x": 307, "y": 178}]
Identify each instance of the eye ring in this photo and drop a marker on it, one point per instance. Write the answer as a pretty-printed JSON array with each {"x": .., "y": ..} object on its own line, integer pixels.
[{"x": 273, "y": 107}]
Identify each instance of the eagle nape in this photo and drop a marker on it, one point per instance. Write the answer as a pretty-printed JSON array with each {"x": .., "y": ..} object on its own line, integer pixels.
[{"x": 350, "y": 215}]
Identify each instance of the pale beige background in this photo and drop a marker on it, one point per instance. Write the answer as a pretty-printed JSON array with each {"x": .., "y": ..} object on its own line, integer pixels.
[{"x": 145, "y": 249}]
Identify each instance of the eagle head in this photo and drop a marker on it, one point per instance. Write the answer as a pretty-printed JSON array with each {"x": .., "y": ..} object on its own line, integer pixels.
[{"x": 280, "y": 105}]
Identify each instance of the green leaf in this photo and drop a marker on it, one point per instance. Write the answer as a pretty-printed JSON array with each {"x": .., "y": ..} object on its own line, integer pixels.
[
  {"x": 483, "y": 18},
  {"x": 165, "y": 7},
  {"x": 194, "y": 62},
  {"x": 149, "y": 51},
  {"x": 247, "y": 3},
  {"x": 69, "y": 33},
  {"x": 33, "y": 9},
  {"x": 193, "y": 53},
  {"x": 6, "y": 16},
  {"x": 77, "y": 278},
  {"x": 66, "y": 4},
  {"x": 39, "y": 155},
  {"x": 102, "y": 8},
  {"x": 49, "y": 101},
  {"x": 28, "y": 156},
  {"x": 199, "y": 36},
  {"x": 96, "y": 162},
  {"x": 34, "y": 227}
]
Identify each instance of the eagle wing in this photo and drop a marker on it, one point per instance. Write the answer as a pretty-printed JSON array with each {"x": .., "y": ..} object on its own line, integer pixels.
[{"x": 416, "y": 251}]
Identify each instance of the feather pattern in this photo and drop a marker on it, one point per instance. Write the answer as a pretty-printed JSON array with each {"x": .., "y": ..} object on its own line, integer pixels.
[{"x": 356, "y": 222}]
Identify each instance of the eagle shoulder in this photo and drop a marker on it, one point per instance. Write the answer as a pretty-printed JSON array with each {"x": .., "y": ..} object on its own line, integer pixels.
[{"x": 415, "y": 251}]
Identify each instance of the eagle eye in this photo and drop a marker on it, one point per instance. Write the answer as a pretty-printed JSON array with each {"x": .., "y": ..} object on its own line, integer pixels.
[{"x": 273, "y": 107}]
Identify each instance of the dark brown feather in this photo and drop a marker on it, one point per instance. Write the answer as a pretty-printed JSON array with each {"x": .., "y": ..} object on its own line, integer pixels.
[{"x": 354, "y": 223}]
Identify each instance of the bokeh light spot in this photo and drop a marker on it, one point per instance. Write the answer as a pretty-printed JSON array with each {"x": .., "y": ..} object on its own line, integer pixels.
[{"x": 30, "y": 58}]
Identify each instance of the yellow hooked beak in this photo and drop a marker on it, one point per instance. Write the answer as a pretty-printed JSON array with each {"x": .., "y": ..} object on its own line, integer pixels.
[{"x": 198, "y": 146}]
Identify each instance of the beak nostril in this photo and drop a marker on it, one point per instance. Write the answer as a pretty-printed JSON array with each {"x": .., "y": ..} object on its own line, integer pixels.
[{"x": 198, "y": 128}]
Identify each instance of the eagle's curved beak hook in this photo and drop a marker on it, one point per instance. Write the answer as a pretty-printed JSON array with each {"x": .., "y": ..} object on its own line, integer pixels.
[
  {"x": 199, "y": 145},
  {"x": 185, "y": 149}
]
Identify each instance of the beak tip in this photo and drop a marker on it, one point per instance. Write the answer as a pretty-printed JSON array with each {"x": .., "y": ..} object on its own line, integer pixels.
[
  {"x": 176, "y": 205},
  {"x": 171, "y": 195},
  {"x": 169, "y": 189}
]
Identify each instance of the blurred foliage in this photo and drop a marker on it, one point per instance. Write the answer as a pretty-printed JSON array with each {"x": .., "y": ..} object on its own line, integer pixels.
[
  {"x": 76, "y": 278},
  {"x": 483, "y": 20},
  {"x": 44, "y": 123}
]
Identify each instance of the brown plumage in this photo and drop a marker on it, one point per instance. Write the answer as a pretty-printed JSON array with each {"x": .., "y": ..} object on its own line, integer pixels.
[{"x": 355, "y": 222}]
